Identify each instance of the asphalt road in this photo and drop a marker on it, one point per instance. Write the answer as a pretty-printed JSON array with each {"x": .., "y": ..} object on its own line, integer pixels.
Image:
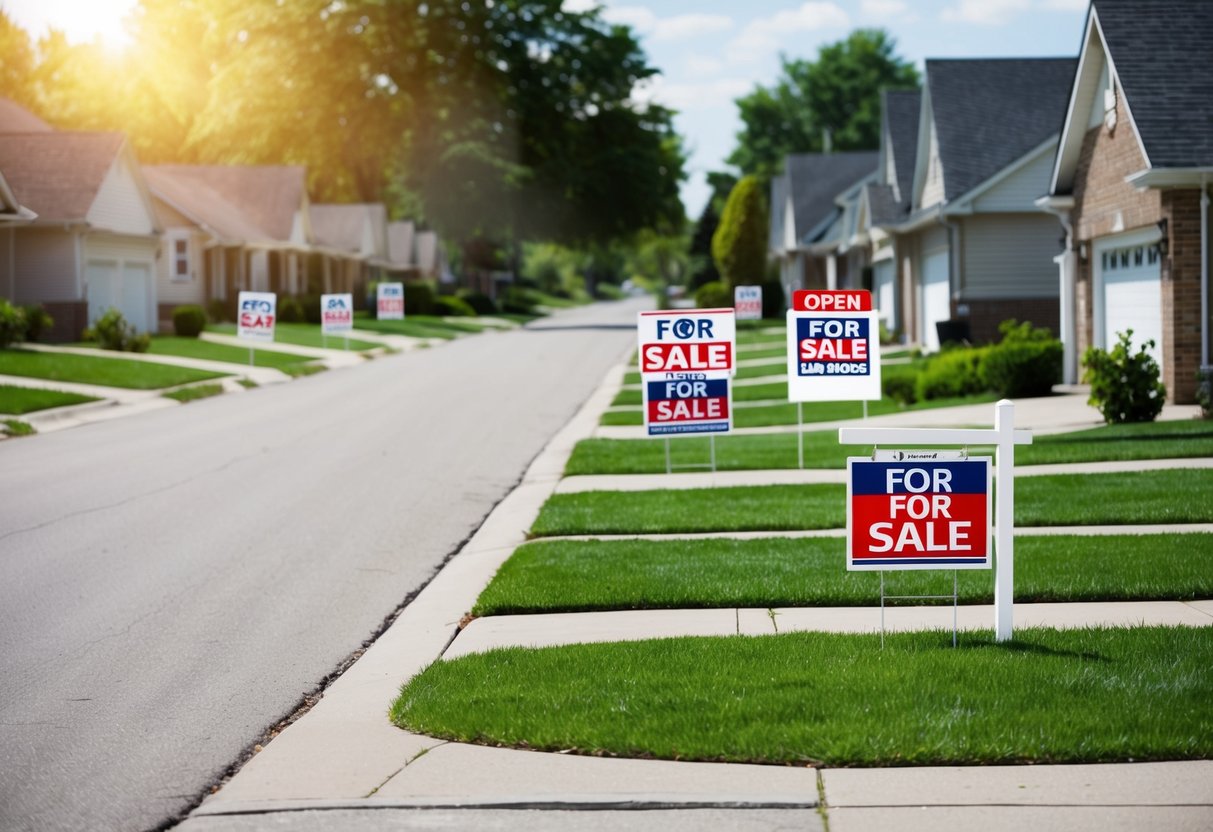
[{"x": 172, "y": 583}]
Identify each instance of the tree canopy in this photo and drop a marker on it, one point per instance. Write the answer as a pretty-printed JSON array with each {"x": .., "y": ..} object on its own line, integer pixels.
[{"x": 838, "y": 93}]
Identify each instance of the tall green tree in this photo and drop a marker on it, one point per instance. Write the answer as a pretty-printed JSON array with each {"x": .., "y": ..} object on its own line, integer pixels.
[
  {"x": 838, "y": 95},
  {"x": 739, "y": 246},
  {"x": 17, "y": 63}
]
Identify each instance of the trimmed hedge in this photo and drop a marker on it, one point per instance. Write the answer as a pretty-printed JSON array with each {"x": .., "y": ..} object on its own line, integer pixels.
[{"x": 189, "y": 320}]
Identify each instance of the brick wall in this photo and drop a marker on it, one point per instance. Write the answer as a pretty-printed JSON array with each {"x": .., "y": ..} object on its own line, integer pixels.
[
  {"x": 1181, "y": 294},
  {"x": 1103, "y": 202}
]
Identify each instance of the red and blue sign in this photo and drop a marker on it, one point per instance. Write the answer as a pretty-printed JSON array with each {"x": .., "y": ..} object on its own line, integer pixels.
[
  {"x": 833, "y": 347},
  {"x": 687, "y": 405},
  {"x": 918, "y": 514}
]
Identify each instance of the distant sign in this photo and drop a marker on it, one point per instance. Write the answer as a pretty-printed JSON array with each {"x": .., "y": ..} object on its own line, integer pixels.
[
  {"x": 747, "y": 302},
  {"x": 255, "y": 316},
  {"x": 833, "y": 347},
  {"x": 336, "y": 313},
  {"x": 917, "y": 514},
  {"x": 687, "y": 405},
  {"x": 389, "y": 302},
  {"x": 687, "y": 341}
]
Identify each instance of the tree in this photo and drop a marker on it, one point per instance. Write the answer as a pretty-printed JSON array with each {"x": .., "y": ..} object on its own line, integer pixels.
[
  {"x": 836, "y": 95},
  {"x": 740, "y": 243},
  {"x": 702, "y": 266},
  {"x": 17, "y": 67}
]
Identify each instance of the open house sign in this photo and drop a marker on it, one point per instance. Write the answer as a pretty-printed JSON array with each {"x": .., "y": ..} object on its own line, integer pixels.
[{"x": 833, "y": 347}]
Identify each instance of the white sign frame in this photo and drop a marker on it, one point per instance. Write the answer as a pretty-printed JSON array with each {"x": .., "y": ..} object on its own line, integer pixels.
[
  {"x": 260, "y": 304},
  {"x": 386, "y": 292},
  {"x": 686, "y": 327},
  {"x": 828, "y": 387},
  {"x": 699, "y": 427},
  {"x": 747, "y": 302},
  {"x": 345, "y": 300}
]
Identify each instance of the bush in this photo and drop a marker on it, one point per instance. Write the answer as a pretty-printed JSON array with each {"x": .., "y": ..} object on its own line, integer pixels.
[
  {"x": 899, "y": 382},
  {"x": 12, "y": 324},
  {"x": 1204, "y": 391},
  {"x": 419, "y": 297},
  {"x": 112, "y": 332},
  {"x": 189, "y": 320},
  {"x": 739, "y": 245},
  {"x": 716, "y": 295},
  {"x": 453, "y": 306},
  {"x": 955, "y": 372},
  {"x": 1026, "y": 362},
  {"x": 220, "y": 310},
  {"x": 609, "y": 291},
  {"x": 310, "y": 304},
  {"x": 291, "y": 310},
  {"x": 37, "y": 321},
  {"x": 480, "y": 302},
  {"x": 517, "y": 301},
  {"x": 773, "y": 302},
  {"x": 1125, "y": 386}
]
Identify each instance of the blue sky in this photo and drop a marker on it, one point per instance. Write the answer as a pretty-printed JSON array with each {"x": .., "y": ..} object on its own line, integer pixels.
[{"x": 712, "y": 51}]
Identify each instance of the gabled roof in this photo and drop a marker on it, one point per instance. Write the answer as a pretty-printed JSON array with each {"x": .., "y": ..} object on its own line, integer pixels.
[
  {"x": 883, "y": 206},
  {"x": 10, "y": 209},
  {"x": 202, "y": 204},
  {"x": 901, "y": 110},
  {"x": 58, "y": 175},
  {"x": 988, "y": 113},
  {"x": 815, "y": 179},
  {"x": 343, "y": 228},
  {"x": 268, "y": 196},
  {"x": 16, "y": 119}
]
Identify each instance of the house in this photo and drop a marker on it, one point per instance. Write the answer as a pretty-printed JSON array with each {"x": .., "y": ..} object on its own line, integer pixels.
[
  {"x": 1130, "y": 182},
  {"x": 229, "y": 228},
  {"x": 16, "y": 119},
  {"x": 401, "y": 253},
  {"x": 809, "y": 214},
  {"x": 93, "y": 244},
  {"x": 353, "y": 243},
  {"x": 12, "y": 213},
  {"x": 974, "y": 249}
]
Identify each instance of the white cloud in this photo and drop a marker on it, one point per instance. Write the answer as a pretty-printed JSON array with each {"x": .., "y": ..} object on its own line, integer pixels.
[
  {"x": 578, "y": 6},
  {"x": 762, "y": 37},
  {"x": 685, "y": 26},
  {"x": 691, "y": 96},
  {"x": 700, "y": 65},
  {"x": 883, "y": 9},
  {"x": 638, "y": 17},
  {"x": 985, "y": 12},
  {"x": 1065, "y": 5}
]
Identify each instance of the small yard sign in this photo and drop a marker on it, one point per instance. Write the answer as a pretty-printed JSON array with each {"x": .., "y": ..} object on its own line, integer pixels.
[
  {"x": 255, "y": 317},
  {"x": 389, "y": 302},
  {"x": 747, "y": 301},
  {"x": 687, "y": 341},
  {"x": 918, "y": 514},
  {"x": 336, "y": 313},
  {"x": 833, "y": 347},
  {"x": 691, "y": 403}
]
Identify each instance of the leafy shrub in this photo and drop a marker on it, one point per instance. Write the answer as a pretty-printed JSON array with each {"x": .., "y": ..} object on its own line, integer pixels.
[
  {"x": 290, "y": 310},
  {"x": 480, "y": 302},
  {"x": 112, "y": 332},
  {"x": 955, "y": 372},
  {"x": 453, "y": 306},
  {"x": 773, "y": 301},
  {"x": 310, "y": 304},
  {"x": 1026, "y": 362},
  {"x": 517, "y": 301},
  {"x": 220, "y": 310},
  {"x": 189, "y": 320},
  {"x": 899, "y": 382},
  {"x": 419, "y": 297},
  {"x": 12, "y": 324},
  {"x": 739, "y": 245},
  {"x": 37, "y": 321},
  {"x": 1204, "y": 391},
  {"x": 1125, "y": 386},
  {"x": 715, "y": 295},
  {"x": 609, "y": 291}
]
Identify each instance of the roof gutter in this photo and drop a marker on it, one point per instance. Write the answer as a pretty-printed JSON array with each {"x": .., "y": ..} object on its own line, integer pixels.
[
  {"x": 1204, "y": 271},
  {"x": 1194, "y": 177}
]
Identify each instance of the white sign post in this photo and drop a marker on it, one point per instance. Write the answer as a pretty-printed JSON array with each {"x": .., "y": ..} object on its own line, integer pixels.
[
  {"x": 255, "y": 318},
  {"x": 747, "y": 301},
  {"x": 389, "y": 302},
  {"x": 337, "y": 315},
  {"x": 1005, "y": 437}
]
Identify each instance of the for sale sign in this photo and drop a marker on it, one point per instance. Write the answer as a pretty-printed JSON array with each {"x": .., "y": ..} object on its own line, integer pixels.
[
  {"x": 336, "y": 313},
  {"x": 833, "y": 347},
  {"x": 689, "y": 404},
  {"x": 389, "y": 302},
  {"x": 918, "y": 514},
  {"x": 687, "y": 341},
  {"x": 255, "y": 316},
  {"x": 747, "y": 302}
]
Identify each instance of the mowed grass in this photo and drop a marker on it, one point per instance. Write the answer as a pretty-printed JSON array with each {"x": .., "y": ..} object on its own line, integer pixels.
[
  {"x": 1048, "y": 696},
  {"x": 210, "y": 351},
  {"x": 1151, "y": 497},
  {"x": 574, "y": 576},
  {"x": 421, "y": 326},
  {"x": 785, "y": 413},
  {"x": 192, "y": 394},
  {"x": 107, "y": 372},
  {"x": 1157, "y": 440},
  {"x": 304, "y": 335},
  {"x": 17, "y": 401}
]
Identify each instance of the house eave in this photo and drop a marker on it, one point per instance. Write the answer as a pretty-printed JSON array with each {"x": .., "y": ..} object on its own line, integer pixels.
[{"x": 1193, "y": 177}]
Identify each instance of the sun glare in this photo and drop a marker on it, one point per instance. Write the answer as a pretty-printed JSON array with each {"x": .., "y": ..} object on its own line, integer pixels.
[{"x": 82, "y": 21}]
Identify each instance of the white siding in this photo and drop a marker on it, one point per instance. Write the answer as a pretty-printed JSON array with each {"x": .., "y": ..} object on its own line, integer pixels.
[
  {"x": 935, "y": 237},
  {"x": 1020, "y": 190},
  {"x": 44, "y": 266},
  {"x": 932, "y": 188},
  {"x": 173, "y": 291},
  {"x": 1010, "y": 256},
  {"x": 120, "y": 205}
]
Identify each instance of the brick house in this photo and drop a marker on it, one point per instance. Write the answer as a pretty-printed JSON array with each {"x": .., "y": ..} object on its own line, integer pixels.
[{"x": 1131, "y": 182}]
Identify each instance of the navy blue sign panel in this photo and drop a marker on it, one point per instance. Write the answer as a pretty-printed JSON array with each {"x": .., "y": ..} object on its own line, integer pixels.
[
  {"x": 833, "y": 346},
  {"x": 687, "y": 405}
]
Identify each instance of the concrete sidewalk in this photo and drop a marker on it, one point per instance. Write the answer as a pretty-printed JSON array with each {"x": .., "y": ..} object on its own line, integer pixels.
[{"x": 343, "y": 759}]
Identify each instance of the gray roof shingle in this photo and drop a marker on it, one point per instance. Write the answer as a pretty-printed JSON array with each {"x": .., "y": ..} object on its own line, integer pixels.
[
  {"x": 902, "y": 109},
  {"x": 58, "y": 175},
  {"x": 815, "y": 179},
  {"x": 1163, "y": 54},
  {"x": 267, "y": 196},
  {"x": 16, "y": 119},
  {"x": 990, "y": 112}
]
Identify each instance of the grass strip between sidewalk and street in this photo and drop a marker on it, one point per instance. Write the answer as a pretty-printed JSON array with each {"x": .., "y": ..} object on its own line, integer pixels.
[
  {"x": 211, "y": 351},
  {"x": 785, "y": 413},
  {"x": 17, "y": 401},
  {"x": 592, "y": 575},
  {"x": 420, "y": 326},
  {"x": 192, "y": 394},
  {"x": 1047, "y": 696},
  {"x": 1168, "y": 496},
  {"x": 1191, "y": 438},
  {"x": 107, "y": 372},
  {"x": 303, "y": 335}
]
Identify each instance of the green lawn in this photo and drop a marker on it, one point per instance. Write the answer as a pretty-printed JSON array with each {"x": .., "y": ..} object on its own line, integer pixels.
[
  {"x": 1048, "y": 696},
  {"x": 575, "y": 576},
  {"x": 17, "y": 401},
  {"x": 197, "y": 348},
  {"x": 108, "y": 372},
  {"x": 785, "y": 414},
  {"x": 773, "y": 391},
  {"x": 422, "y": 326},
  {"x": 303, "y": 335},
  {"x": 1157, "y": 440},
  {"x": 1169, "y": 496}
]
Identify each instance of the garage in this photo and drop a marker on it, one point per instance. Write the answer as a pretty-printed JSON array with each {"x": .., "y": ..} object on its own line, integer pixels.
[
  {"x": 1128, "y": 292},
  {"x": 120, "y": 275},
  {"x": 884, "y": 287},
  {"x": 936, "y": 296}
]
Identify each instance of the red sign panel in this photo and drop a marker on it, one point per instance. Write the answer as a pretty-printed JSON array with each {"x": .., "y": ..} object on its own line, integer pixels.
[{"x": 835, "y": 300}]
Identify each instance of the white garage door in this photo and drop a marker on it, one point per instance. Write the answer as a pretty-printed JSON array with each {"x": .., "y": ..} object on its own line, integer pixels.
[
  {"x": 1132, "y": 295},
  {"x": 936, "y": 297},
  {"x": 123, "y": 285},
  {"x": 883, "y": 281}
]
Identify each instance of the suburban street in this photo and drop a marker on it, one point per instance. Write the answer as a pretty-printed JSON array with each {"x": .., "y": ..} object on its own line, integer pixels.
[{"x": 172, "y": 584}]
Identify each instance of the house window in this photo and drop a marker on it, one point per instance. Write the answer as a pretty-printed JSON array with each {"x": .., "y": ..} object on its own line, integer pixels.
[{"x": 181, "y": 258}]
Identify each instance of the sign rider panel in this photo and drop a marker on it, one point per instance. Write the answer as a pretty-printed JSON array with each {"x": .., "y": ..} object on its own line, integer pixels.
[{"x": 687, "y": 405}]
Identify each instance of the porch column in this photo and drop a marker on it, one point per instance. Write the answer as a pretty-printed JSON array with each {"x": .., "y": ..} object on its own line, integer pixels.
[{"x": 1067, "y": 264}]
